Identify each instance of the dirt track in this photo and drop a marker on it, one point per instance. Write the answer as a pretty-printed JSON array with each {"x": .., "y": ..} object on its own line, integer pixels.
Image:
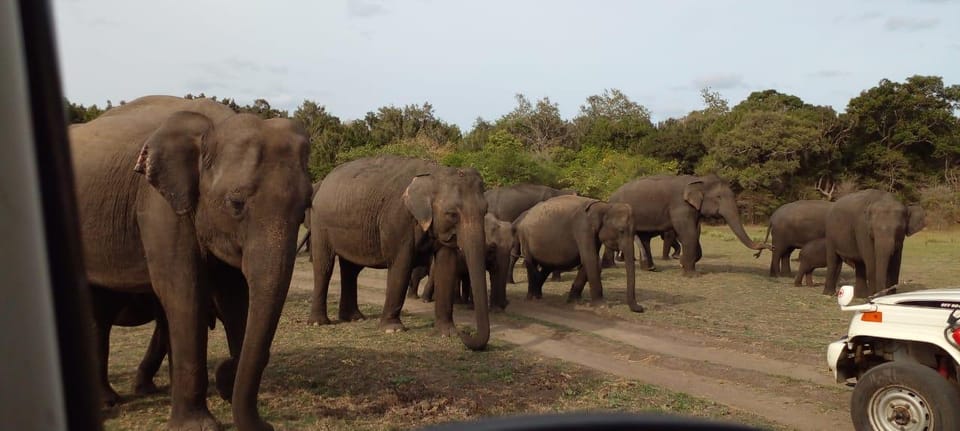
[{"x": 798, "y": 395}]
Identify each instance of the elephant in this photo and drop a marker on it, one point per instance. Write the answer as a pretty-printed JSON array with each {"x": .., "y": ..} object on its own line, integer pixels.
[
  {"x": 669, "y": 202},
  {"x": 507, "y": 203},
  {"x": 813, "y": 255},
  {"x": 193, "y": 202},
  {"x": 396, "y": 213},
  {"x": 501, "y": 240},
  {"x": 868, "y": 228},
  {"x": 566, "y": 232},
  {"x": 792, "y": 226}
]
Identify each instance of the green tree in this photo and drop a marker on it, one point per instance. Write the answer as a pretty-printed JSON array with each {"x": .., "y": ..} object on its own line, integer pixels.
[
  {"x": 612, "y": 120},
  {"x": 326, "y": 136},
  {"x": 538, "y": 127}
]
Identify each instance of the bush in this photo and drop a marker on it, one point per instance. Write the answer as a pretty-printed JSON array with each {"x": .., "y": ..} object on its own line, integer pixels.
[
  {"x": 597, "y": 172},
  {"x": 941, "y": 203},
  {"x": 503, "y": 161}
]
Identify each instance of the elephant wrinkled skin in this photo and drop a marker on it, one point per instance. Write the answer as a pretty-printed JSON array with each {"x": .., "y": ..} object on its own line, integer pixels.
[
  {"x": 566, "y": 232},
  {"x": 187, "y": 199},
  {"x": 669, "y": 202},
  {"x": 395, "y": 213},
  {"x": 868, "y": 228}
]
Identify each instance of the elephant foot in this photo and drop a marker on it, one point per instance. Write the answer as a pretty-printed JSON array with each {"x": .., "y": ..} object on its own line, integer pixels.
[
  {"x": 498, "y": 308},
  {"x": 145, "y": 387},
  {"x": 555, "y": 277},
  {"x": 109, "y": 396},
  {"x": 351, "y": 316},
  {"x": 426, "y": 299},
  {"x": 676, "y": 256},
  {"x": 692, "y": 274},
  {"x": 829, "y": 291},
  {"x": 412, "y": 295},
  {"x": 445, "y": 328},
  {"x": 226, "y": 374},
  {"x": 574, "y": 297},
  {"x": 200, "y": 420},
  {"x": 318, "y": 320},
  {"x": 599, "y": 303},
  {"x": 391, "y": 325},
  {"x": 533, "y": 296}
]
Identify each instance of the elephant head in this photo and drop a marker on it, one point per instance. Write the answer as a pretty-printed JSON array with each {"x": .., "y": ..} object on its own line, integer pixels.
[
  {"x": 501, "y": 240},
  {"x": 613, "y": 223},
  {"x": 244, "y": 183},
  {"x": 712, "y": 197},
  {"x": 449, "y": 205},
  {"x": 889, "y": 221}
]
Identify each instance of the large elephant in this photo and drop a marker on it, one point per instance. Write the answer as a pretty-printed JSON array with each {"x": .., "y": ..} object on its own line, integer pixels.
[
  {"x": 190, "y": 200},
  {"x": 868, "y": 228},
  {"x": 566, "y": 232},
  {"x": 507, "y": 203},
  {"x": 395, "y": 213},
  {"x": 501, "y": 240},
  {"x": 792, "y": 226},
  {"x": 668, "y": 202}
]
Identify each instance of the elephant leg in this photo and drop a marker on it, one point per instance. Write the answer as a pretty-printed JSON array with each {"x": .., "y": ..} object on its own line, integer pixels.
[
  {"x": 809, "y": 278},
  {"x": 646, "y": 257},
  {"x": 667, "y": 245},
  {"x": 576, "y": 289},
  {"x": 513, "y": 264},
  {"x": 323, "y": 257},
  {"x": 534, "y": 279},
  {"x": 785, "y": 262},
  {"x": 590, "y": 265},
  {"x": 106, "y": 307},
  {"x": 174, "y": 264},
  {"x": 398, "y": 278},
  {"x": 893, "y": 269},
  {"x": 349, "y": 309},
  {"x": 862, "y": 275},
  {"x": 445, "y": 279},
  {"x": 555, "y": 276},
  {"x": 157, "y": 350},
  {"x": 690, "y": 253},
  {"x": 428, "y": 290},
  {"x": 231, "y": 297},
  {"x": 834, "y": 263}
]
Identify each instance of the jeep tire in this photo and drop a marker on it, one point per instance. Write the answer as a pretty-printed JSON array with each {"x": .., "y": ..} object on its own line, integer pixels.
[{"x": 905, "y": 395}]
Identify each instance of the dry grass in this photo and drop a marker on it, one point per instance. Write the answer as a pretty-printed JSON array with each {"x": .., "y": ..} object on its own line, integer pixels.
[{"x": 351, "y": 376}]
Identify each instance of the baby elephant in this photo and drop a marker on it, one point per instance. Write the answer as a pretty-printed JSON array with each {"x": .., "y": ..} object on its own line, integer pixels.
[
  {"x": 565, "y": 232},
  {"x": 813, "y": 255}
]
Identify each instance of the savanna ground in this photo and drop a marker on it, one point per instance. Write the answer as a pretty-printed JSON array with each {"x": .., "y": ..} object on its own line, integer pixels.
[{"x": 730, "y": 345}]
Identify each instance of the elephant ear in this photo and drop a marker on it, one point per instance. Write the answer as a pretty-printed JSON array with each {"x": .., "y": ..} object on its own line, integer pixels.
[
  {"x": 596, "y": 211},
  {"x": 418, "y": 198},
  {"x": 916, "y": 219},
  {"x": 693, "y": 194},
  {"x": 170, "y": 159}
]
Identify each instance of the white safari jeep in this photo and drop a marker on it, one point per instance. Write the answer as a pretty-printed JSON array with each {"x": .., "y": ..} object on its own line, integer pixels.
[{"x": 903, "y": 351}]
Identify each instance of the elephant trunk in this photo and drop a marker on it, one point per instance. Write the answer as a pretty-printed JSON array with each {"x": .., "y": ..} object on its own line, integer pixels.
[
  {"x": 267, "y": 266},
  {"x": 731, "y": 215},
  {"x": 472, "y": 242},
  {"x": 883, "y": 248},
  {"x": 499, "y": 274},
  {"x": 626, "y": 246}
]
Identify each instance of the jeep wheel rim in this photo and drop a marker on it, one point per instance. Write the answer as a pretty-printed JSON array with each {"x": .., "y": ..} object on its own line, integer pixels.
[{"x": 897, "y": 408}]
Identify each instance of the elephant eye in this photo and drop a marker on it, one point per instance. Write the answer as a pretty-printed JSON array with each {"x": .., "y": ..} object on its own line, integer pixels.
[
  {"x": 452, "y": 216},
  {"x": 236, "y": 205}
]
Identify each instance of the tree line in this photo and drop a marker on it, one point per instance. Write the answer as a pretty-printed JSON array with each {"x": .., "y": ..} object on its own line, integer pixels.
[{"x": 772, "y": 147}]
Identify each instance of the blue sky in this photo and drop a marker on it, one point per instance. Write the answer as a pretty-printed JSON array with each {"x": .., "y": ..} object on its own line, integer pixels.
[{"x": 469, "y": 58}]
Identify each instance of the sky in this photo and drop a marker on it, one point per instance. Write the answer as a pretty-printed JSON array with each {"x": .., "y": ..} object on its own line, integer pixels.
[{"x": 470, "y": 58}]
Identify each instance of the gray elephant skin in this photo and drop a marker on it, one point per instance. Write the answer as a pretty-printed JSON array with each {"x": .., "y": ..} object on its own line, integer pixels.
[
  {"x": 668, "y": 202},
  {"x": 792, "y": 226},
  {"x": 507, "y": 203},
  {"x": 868, "y": 228},
  {"x": 396, "y": 213},
  {"x": 501, "y": 242},
  {"x": 567, "y": 231},
  {"x": 187, "y": 199}
]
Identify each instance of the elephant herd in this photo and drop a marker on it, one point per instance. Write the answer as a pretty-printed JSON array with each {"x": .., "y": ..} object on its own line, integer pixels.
[
  {"x": 864, "y": 229},
  {"x": 190, "y": 214}
]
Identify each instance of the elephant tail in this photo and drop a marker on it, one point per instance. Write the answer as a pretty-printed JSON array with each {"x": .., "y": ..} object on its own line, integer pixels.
[
  {"x": 303, "y": 242},
  {"x": 765, "y": 238}
]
